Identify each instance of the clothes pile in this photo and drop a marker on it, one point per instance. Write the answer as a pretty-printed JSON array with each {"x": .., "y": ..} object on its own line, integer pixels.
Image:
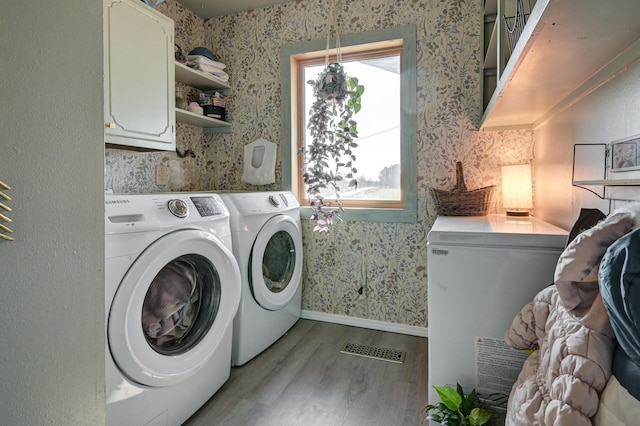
[
  {"x": 171, "y": 305},
  {"x": 203, "y": 60},
  {"x": 576, "y": 325},
  {"x": 619, "y": 285}
]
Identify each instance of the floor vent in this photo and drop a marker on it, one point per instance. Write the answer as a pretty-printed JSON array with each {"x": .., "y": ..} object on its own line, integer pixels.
[{"x": 384, "y": 354}]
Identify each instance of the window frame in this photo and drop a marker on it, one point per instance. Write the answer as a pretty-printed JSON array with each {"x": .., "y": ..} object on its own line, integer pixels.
[{"x": 292, "y": 52}]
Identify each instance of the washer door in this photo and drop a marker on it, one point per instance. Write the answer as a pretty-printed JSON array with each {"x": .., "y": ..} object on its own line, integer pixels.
[
  {"x": 276, "y": 262},
  {"x": 173, "y": 307}
]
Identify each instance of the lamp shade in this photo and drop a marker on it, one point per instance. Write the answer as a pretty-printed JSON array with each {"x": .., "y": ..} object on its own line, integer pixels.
[{"x": 517, "y": 197}]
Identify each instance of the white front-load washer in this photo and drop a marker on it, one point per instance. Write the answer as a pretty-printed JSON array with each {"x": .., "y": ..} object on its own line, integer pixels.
[
  {"x": 267, "y": 242},
  {"x": 172, "y": 288}
]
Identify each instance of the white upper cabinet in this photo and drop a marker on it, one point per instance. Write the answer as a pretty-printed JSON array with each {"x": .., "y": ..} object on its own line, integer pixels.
[
  {"x": 567, "y": 49},
  {"x": 139, "y": 75}
]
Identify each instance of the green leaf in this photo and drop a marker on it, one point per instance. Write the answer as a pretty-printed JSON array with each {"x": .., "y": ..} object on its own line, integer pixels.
[
  {"x": 479, "y": 416},
  {"x": 468, "y": 402},
  {"x": 449, "y": 397}
]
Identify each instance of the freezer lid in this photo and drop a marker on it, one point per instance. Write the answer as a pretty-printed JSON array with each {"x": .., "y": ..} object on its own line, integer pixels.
[{"x": 496, "y": 230}]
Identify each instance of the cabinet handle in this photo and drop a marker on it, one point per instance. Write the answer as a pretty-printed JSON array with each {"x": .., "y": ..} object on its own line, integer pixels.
[{"x": 111, "y": 125}]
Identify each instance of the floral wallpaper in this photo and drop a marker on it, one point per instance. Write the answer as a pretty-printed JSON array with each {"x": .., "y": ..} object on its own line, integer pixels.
[{"x": 375, "y": 271}]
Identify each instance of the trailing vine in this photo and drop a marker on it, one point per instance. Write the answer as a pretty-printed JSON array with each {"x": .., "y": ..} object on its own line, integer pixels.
[{"x": 333, "y": 130}]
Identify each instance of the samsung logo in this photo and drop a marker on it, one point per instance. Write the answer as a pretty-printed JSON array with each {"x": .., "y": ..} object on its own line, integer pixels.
[
  {"x": 116, "y": 202},
  {"x": 440, "y": 252}
]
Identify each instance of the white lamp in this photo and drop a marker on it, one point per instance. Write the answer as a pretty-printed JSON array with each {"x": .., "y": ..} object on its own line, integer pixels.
[{"x": 516, "y": 189}]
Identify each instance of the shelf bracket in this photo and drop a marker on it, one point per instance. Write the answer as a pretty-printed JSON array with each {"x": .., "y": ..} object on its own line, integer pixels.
[{"x": 577, "y": 155}]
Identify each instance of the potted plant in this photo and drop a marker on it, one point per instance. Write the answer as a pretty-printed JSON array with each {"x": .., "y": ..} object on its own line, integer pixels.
[
  {"x": 458, "y": 409},
  {"x": 328, "y": 156}
]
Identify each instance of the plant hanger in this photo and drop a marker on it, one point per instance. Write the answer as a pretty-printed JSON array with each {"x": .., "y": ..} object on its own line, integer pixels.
[
  {"x": 332, "y": 25},
  {"x": 328, "y": 156}
]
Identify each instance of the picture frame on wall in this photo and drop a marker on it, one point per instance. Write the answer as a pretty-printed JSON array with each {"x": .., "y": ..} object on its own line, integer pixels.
[{"x": 625, "y": 154}]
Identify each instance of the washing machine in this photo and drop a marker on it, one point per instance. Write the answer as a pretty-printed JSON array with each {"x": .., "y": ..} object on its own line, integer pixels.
[
  {"x": 172, "y": 288},
  {"x": 267, "y": 243}
]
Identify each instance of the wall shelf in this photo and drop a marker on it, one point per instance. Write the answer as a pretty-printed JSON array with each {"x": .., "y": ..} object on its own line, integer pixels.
[
  {"x": 592, "y": 170},
  {"x": 608, "y": 182},
  {"x": 204, "y": 82},
  {"x": 210, "y": 125},
  {"x": 199, "y": 80},
  {"x": 567, "y": 49}
]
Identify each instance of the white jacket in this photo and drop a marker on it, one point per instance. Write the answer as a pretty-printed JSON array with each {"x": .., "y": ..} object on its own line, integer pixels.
[{"x": 561, "y": 382}]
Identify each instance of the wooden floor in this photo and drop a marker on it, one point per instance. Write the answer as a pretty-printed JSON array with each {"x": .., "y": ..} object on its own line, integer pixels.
[{"x": 303, "y": 379}]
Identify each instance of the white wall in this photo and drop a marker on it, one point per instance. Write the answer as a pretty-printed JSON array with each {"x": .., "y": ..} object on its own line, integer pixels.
[
  {"x": 52, "y": 154},
  {"x": 610, "y": 113}
]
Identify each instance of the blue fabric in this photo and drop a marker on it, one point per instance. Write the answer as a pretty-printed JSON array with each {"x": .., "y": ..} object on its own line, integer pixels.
[
  {"x": 619, "y": 280},
  {"x": 203, "y": 51}
]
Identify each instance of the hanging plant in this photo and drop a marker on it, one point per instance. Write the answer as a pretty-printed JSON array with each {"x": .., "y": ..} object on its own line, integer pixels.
[{"x": 328, "y": 156}]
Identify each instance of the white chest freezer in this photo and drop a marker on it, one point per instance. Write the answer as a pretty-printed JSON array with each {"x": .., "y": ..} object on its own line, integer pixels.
[{"x": 481, "y": 272}]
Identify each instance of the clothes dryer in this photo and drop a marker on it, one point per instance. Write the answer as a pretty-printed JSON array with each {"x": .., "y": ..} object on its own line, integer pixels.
[
  {"x": 172, "y": 288},
  {"x": 267, "y": 243}
]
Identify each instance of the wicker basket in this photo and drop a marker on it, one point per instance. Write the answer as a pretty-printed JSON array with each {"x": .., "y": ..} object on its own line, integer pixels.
[{"x": 459, "y": 201}]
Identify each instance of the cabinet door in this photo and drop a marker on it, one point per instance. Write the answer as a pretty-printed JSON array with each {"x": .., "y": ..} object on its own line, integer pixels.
[{"x": 139, "y": 76}]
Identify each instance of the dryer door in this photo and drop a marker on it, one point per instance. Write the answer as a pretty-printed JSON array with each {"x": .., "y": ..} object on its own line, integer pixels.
[
  {"x": 173, "y": 308},
  {"x": 276, "y": 262}
]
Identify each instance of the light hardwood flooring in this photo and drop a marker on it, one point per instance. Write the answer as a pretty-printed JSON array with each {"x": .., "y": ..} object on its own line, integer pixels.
[{"x": 303, "y": 379}]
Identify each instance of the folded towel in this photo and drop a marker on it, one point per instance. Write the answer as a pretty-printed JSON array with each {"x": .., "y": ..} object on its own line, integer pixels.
[
  {"x": 208, "y": 68},
  {"x": 219, "y": 76},
  {"x": 211, "y": 70},
  {"x": 204, "y": 60}
]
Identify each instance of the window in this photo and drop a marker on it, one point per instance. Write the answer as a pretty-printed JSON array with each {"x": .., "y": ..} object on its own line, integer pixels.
[{"x": 384, "y": 62}]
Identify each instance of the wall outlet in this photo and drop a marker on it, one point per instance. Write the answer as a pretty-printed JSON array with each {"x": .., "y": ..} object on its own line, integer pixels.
[{"x": 162, "y": 175}]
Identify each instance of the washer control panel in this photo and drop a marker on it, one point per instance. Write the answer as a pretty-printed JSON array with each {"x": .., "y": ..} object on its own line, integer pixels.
[
  {"x": 152, "y": 212},
  {"x": 207, "y": 206},
  {"x": 178, "y": 207}
]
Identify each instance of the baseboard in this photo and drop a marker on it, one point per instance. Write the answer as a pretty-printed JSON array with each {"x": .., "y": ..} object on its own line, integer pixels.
[{"x": 411, "y": 330}]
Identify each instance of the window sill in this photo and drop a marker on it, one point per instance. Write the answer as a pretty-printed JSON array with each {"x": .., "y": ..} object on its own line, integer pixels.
[{"x": 352, "y": 214}]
